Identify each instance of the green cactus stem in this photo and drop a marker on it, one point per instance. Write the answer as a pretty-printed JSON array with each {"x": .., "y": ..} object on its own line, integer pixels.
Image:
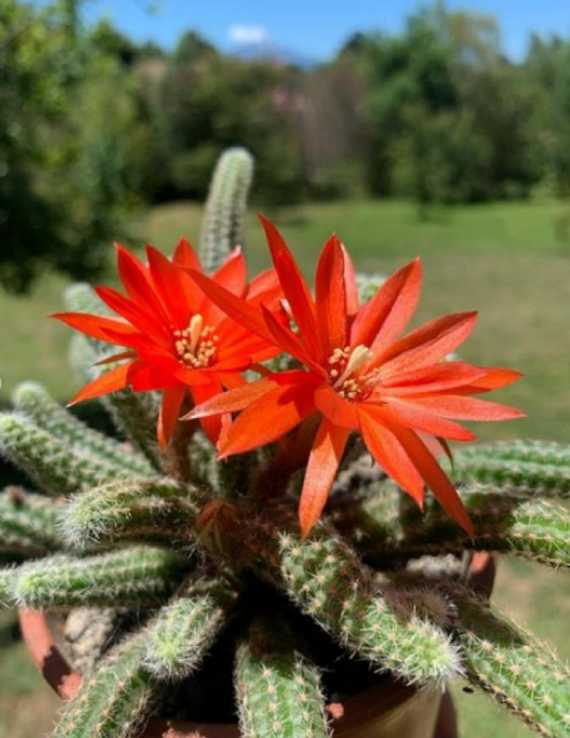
[
  {"x": 528, "y": 477},
  {"x": 186, "y": 627},
  {"x": 138, "y": 576},
  {"x": 278, "y": 690},
  {"x": 56, "y": 468},
  {"x": 161, "y": 510},
  {"x": 539, "y": 452},
  {"x": 33, "y": 400},
  {"x": 368, "y": 285},
  {"x": 514, "y": 668},
  {"x": 116, "y": 699},
  {"x": 503, "y": 522},
  {"x": 395, "y": 628},
  {"x": 226, "y": 207},
  {"x": 28, "y": 524}
]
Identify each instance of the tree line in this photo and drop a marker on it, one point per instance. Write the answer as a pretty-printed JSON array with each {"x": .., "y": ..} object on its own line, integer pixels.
[{"x": 94, "y": 125}]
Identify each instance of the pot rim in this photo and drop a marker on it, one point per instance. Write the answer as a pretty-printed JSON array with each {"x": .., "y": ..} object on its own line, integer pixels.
[{"x": 66, "y": 682}]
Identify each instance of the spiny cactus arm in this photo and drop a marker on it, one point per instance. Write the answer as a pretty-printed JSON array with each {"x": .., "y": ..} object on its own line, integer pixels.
[
  {"x": 186, "y": 627},
  {"x": 6, "y": 579},
  {"x": 527, "y": 477},
  {"x": 116, "y": 699},
  {"x": 503, "y": 521},
  {"x": 56, "y": 468},
  {"x": 138, "y": 576},
  {"x": 395, "y": 628},
  {"x": 34, "y": 401},
  {"x": 159, "y": 510},
  {"x": 226, "y": 207},
  {"x": 28, "y": 524},
  {"x": 551, "y": 453},
  {"x": 513, "y": 667},
  {"x": 134, "y": 414},
  {"x": 278, "y": 690}
]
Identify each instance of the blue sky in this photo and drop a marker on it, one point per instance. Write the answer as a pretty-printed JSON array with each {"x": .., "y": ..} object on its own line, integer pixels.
[{"x": 314, "y": 27}]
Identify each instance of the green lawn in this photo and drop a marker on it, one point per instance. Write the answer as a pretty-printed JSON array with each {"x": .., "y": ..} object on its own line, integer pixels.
[{"x": 509, "y": 261}]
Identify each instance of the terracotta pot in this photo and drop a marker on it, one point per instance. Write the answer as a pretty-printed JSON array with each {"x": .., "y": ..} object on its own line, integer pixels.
[{"x": 387, "y": 712}]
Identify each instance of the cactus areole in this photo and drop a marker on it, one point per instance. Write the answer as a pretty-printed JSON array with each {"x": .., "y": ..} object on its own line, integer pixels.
[{"x": 256, "y": 544}]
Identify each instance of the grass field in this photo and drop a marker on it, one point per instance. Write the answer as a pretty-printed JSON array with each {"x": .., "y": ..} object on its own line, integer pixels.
[{"x": 510, "y": 261}]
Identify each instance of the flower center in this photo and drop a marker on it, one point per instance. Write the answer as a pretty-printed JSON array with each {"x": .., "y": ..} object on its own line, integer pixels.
[
  {"x": 343, "y": 367},
  {"x": 195, "y": 346}
]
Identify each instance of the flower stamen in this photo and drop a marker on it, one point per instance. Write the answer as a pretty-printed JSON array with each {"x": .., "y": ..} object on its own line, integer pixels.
[{"x": 196, "y": 345}]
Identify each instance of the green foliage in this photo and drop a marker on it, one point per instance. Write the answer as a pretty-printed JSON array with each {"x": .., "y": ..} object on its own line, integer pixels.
[
  {"x": 50, "y": 462},
  {"x": 139, "y": 576},
  {"x": 226, "y": 207},
  {"x": 392, "y": 628},
  {"x": 116, "y": 699},
  {"x": 503, "y": 519},
  {"x": 186, "y": 627},
  {"x": 28, "y": 524},
  {"x": 33, "y": 400},
  {"x": 516, "y": 669},
  {"x": 278, "y": 689},
  {"x": 160, "y": 510}
]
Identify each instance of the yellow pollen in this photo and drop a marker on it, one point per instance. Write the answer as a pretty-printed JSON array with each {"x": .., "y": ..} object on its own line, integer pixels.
[
  {"x": 358, "y": 357},
  {"x": 196, "y": 345}
]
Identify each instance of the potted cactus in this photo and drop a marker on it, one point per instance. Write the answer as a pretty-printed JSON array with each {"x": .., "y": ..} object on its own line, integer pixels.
[{"x": 252, "y": 548}]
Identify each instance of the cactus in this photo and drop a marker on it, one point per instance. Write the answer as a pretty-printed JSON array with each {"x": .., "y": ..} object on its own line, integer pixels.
[
  {"x": 33, "y": 400},
  {"x": 50, "y": 462},
  {"x": 278, "y": 689},
  {"x": 188, "y": 625},
  {"x": 391, "y": 627},
  {"x": 28, "y": 524},
  {"x": 516, "y": 669},
  {"x": 157, "y": 510},
  {"x": 503, "y": 521},
  {"x": 223, "y": 223},
  {"x": 139, "y": 576},
  {"x": 117, "y": 697},
  {"x": 528, "y": 477},
  {"x": 155, "y": 558}
]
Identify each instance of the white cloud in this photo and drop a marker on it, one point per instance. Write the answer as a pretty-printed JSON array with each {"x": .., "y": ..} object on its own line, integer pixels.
[{"x": 241, "y": 33}]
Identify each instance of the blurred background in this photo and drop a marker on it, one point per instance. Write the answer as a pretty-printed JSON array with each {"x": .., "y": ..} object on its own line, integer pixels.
[{"x": 440, "y": 129}]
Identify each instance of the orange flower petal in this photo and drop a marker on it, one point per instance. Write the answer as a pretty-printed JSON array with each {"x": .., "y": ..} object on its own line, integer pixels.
[
  {"x": 389, "y": 453},
  {"x": 413, "y": 415},
  {"x": 137, "y": 282},
  {"x": 240, "y": 310},
  {"x": 201, "y": 393},
  {"x": 146, "y": 377},
  {"x": 352, "y": 298},
  {"x": 468, "y": 408},
  {"x": 172, "y": 399},
  {"x": 178, "y": 292},
  {"x": 335, "y": 408},
  {"x": 383, "y": 318},
  {"x": 233, "y": 273},
  {"x": 185, "y": 257},
  {"x": 294, "y": 287},
  {"x": 437, "y": 378},
  {"x": 232, "y": 401},
  {"x": 496, "y": 378},
  {"x": 145, "y": 321},
  {"x": 324, "y": 461},
  {"x": 435, "y": 478},
  {"x": 268, "y": 418},
  {"x": 331, "y": 296},
  {"x": 95, "y": 325},
  {"x": 427, "y": 345},
  {"x": 111, "y": 381},
  {"x": 289, "y": 342}
]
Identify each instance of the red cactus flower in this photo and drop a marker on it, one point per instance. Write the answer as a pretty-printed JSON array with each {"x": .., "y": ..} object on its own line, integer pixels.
[
  {"x": 176, "y": 339},
  {"x": 359, "y": 374}
]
